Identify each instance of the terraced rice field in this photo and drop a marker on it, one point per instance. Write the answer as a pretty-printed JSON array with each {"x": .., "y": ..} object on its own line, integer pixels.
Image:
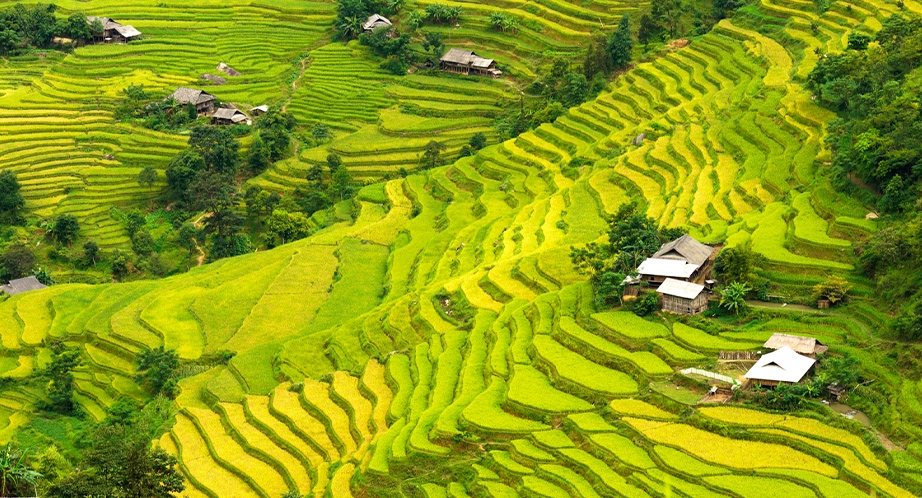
[{"x": 348, "y": 364}]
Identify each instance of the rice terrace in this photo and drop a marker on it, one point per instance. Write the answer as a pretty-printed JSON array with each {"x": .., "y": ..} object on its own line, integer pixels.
[{"x": 451, "y": 249}]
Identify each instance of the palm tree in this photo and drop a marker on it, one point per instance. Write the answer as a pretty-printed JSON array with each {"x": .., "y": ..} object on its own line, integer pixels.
[{"x": 13, "y": 470}]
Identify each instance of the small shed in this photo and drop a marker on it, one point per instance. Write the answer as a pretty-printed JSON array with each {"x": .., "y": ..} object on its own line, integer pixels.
[
  {"x": 259, "y": 110},
  {"x": 375, "y": 21},
  {"x": 461, "y": 61},
  {"x": 684, "y": 298},
  {"x": 22, "y": 285},
  {"x": 125, "y": 33},
  {"x": 228, "y": 70},
  {"x": 203, "y": 101},
  {"x": 783, "y": 365},
  {"x": 228, "y": 117},
  {"x": 803, "y": 345},
  {"x": 112, "y": 30},
  {"x": 214, "y": 78}
]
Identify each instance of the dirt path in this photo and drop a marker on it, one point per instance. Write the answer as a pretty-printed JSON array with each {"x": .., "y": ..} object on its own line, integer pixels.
[
  {"x": 201, "y": 252},
  {"x": 294, "y": 84},
  {"x": 798, "y": 307}
]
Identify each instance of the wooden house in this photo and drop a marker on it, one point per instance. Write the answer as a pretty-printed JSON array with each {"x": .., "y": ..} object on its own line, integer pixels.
[
  {"x": 783, "y": 365},
  {"x": 684, "y": 298},
  {"x": 259, "y": 110},
  {"x": 228, "y": 117},
  {"x": 802, "y": 345},
  {"x": 682, "y": 259},
  {"x": 466, "y": 62},
  {"x": 22, "y": 285},
  {"x": 203, "y": 101},
  {"x": 113, "y": 31},
  {"x": 375, "y": 21}
]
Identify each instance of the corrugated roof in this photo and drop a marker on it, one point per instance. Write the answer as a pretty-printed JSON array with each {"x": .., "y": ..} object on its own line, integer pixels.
[
  {"x": 127, "y": 31},
  {"x": 227, "y": 114},
  {"x": 783, "y": 365},
  {"x": 680, "y": 288},
  {"x": 184, "y": 95},
  {"x": 22, "y": 285},
  {"x": 802, "y": 345},
  {"x": 260, "y": 108},
  {"x": 675, "y": 268},
  {"x": 107, "y": 22},
  {"x": 458, "y": 56},
  {"x": 376, "y": 21},
  {"x": 481, "y": 62},
  {"x": 687, "y": 248}
]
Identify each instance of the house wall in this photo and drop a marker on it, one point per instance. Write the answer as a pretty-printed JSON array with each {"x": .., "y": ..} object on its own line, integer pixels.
[{"x": 682, "y": 306}]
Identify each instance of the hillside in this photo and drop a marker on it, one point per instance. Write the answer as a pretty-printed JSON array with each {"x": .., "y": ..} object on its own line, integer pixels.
[{"x": 435, "y": 338}]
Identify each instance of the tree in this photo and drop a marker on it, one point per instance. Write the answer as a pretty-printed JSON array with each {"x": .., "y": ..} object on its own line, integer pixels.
[
  {"x": 620, "y": 45},
  {"x": 134, "y": 221},
  {"x": 142, "y": 243},
  {"x": 721, "y": 9},
  {"x": 148, "y": 177},
  {"x": 432, "y": 155},
  {"x": 858, "y": 41},
  {"x": 11, "y": 200},
  {"x": 188, "y": 236},
  {"x": 597, "y": 59},
  {"x": 341, "y": 184},
  {"x": 65, "y": 229},
  {"x": 211, "y": 190},
  {"x": 733, "y": 297},
  {"x": 182, "y": 171},
  {"x": 333, "y": 163},
  {"x": 320, "y": 132},
  {"x": 432, "y": 43},
  {"x": 9, "y": 40},
  {"x": 834, "y": 288},
  {"x": 90, "y": 253},
  {"x": 157, "y": 371},
  {"x": 284, "y": 227},
  {"x": 667, "y": 14},
  {"x": 224, "y": 227},
  {"x": 16, "y": 478},
  {"x": 60, "y": 387},
  {"x": 648, "y": 30},
  {"x": 646, "y": 303},
  {"x": 576, "y": 89},
  {"x": 736, "y": 264},
  {"x": 217, "y": 147},
  {"x": 121, "y": 265},
  {"x": 18, "y": 261},
  {"x": 478, "y": 141},
  {"x": 77, "y": 28},
  {"x": 609, "y": 288},
  {"x": 258, "y": 159}
]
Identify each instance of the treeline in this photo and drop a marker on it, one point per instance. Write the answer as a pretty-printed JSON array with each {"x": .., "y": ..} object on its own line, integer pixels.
[
  {"x": 36, "y": 26},
  {"x": 874, "y": 87}
]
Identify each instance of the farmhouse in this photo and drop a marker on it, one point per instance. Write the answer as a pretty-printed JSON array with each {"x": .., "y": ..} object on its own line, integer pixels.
[
  {"x": 375, "y": 21},
  {"x": 259, "y": 110},
  {"x": 228, "y": 116},
  {"x": 683, "y": 259},
  {"x": 203, "y": 101},
  {"x": 467, "y": 62},
  {"x": 22, "y": 285},
  {"x": 684, "y": 298},
  {"x": 113, "y": 31},
  {"x": 803, "y": 345},
  {"x": 783, "y": 365}
]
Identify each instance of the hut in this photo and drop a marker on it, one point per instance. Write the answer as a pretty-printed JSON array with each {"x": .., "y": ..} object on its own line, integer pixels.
[
  {"x": 684, "y": 298},
  {"x": 22, "y": 285},
  {"x": 228, "y": 117},
  {"x": 683, "y": 259},
  {"x": 803, "y": 345},
  {"x": 783, "y": 365},
  {"x": 461, "y": 61},
  {"x": 375, "y": 21},
  {"x": 259, "y": 110},
  {"x": 228, "y": 70},
  {"x": 113, "y": 31},
  {"x": 203, "y": 101}
]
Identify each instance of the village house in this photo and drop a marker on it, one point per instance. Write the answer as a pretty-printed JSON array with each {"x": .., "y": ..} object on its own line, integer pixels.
[
  {"x": 466, "y": 62},
  {"x": 783, "y": 365},
  {"x": 113, "y": 31},
  {"x": 22, "y": 285},
  {"x": 375, "y": 21},
  {"x": 684, "y": 298},
  {"x": 808, "y": 346},
  {"x": 682, "y": 259},
  {"x": 259, "y": 110},
  {"x": 203, "y": 101},
  {"x": 228, "y": 117}
]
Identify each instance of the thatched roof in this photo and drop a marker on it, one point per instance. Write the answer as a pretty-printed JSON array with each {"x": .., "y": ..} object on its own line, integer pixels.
[
  {"x": 214, "y": 78},
  {"x": 184, "y": 95},
  {"x": 22, "y": 285},
  {"x": 375, "y": 21},
  {"x": 685, "y": 248},
  {"x": 234, "y": 115},
  {"x": 802, "y": 345},
  {"x": 680, "y": 288},
  {"x": 784, "y": 365}
]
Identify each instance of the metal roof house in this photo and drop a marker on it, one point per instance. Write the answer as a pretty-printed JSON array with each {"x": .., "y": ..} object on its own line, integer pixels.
[
  {"x": 803, "y": 345},
  {"x": 461, "y": 61},
  {"x": 228, "y": 116},
  {"x": 203, "y": 101},
  {"x": 684, "y": 259},
  {"x": 22, "y": 285},
  {"x": 684, "y": 298},
  {"x": 259, "y": 110},
  {"x": 375, "y": 21},
  {"x": 783, "y": 365},
  {"x": 113, "y": 31}
]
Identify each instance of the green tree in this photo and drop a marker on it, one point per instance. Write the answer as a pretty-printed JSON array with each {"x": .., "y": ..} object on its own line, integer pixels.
[
  {"x": 646, "y": 303},
  {"x": 620, "y": 45},
  {"x": 834, "y": 288},
  {"x": 258, "y": 159},
  {"x": 432, "y": 43},
  {"x": 649, "y": 30},
  {"x": 733, "y": 297},
  {"x": 11, "y": 200},
  {"x": 9, "y": 40},
  {"x": 478, "y": 141},
  {"x": 736, "y": 264},
  {"x": 284, "y": 227},
  {"x": 157, "y": 371},
  {"x": 721, "y": 9},
  {"x": 667, "y": 14},
  {"x": 134, "y": 221},
  {"x": 90, "y": 253},
  {"x": 60, "y": 387},
  {"x": 211, "y": 190},
  {"x": 148, "y": 177},
  {"x": 188, "y": 236},
  {"x": 333, "y": 163},
  {"x": 121, "y": 265},
  {"x": 182, "y": 171},
  {"x": 217, "y": 147},
  {"x": 432, "y": 154},
  {"x": 320, "y": 132},
  {"x": 142, "y": 243},
  {"x": 65, "y": 229},
  {"x": 77, "y": 28},
  {"x": 18, "y": 261},
  {"x": 342, "y": 184}
]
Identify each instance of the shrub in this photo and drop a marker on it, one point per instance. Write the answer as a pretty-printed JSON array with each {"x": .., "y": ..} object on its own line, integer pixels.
[
  {"x": 835, "y": 289},
  {"x": 733, "y": 298},
  {"x": 646, "y": 303}
]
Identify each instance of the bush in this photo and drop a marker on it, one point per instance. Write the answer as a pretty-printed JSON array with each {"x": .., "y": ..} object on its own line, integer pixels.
[
  {"x": 646, "y": 303},
  {"x": 835, "y": 289},
  {"x": 18, "y": 261}
]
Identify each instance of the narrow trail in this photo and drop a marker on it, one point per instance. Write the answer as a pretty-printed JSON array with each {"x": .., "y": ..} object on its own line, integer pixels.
[
  {"x": 200, "y": 260},
  {"x": 294, "y": 84}
]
